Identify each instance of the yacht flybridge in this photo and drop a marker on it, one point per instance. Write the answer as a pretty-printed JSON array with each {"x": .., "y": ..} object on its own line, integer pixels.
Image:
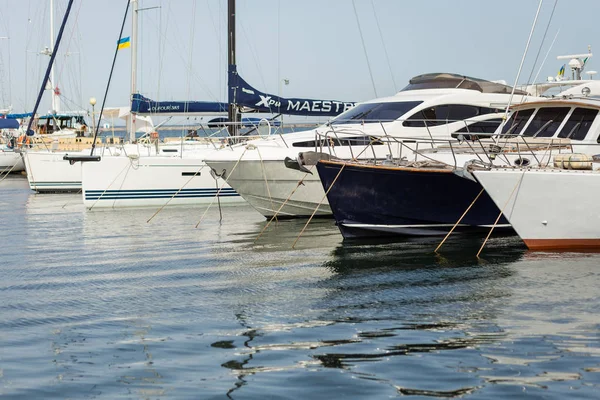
[{"x": 430, "y": 106}]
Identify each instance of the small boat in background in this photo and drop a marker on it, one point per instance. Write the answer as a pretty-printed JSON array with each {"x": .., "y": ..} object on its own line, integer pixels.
[{"x": 10, "y": 161}]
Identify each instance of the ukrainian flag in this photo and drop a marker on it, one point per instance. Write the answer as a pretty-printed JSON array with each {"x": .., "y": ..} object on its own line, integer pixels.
[
  {"x": 124, "y": 43},
  {"x": 561, "y": 72}
]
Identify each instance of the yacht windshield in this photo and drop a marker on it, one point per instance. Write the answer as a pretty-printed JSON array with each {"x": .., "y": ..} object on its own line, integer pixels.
[
  {"x": 546, "y": 121},
  {"x": 516, "y": 122},
  {"x": 578, "y": 124},
  {"x": 375, "y": 112}
]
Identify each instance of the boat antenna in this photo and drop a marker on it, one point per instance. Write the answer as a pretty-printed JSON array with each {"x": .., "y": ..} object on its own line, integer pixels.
[
  {"x": 96, "y": 128},
  {"x": 49, "y": 68}
]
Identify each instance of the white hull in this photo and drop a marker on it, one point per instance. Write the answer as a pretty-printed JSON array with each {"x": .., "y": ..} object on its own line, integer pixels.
[
  {"x": 267, "y": 185},
  {"x": 548, "y": 208},
  {"x": 11, "y": 162},
  {"x": 48, "y": 172},
  {"x": 121, "y": 181}
]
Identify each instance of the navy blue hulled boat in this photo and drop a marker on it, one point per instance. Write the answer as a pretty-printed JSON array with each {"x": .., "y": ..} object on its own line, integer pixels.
[{"x": 381, "y": 200}]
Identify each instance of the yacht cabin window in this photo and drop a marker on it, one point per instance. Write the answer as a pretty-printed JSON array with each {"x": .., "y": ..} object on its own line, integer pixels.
[
  {"x": 375, "y": 112},
  {"x": 578, "y": 124},
  {"x": 517, "y": 121},
  {"x": 446, "y": 113},
  {"x": 546, "y": 121},
  {"x": 488, "y": 126},
  {"x": 347, "y": 141}
]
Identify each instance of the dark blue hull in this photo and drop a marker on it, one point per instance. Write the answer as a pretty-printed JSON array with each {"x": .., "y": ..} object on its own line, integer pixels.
[{"x": 375, "y": 201}]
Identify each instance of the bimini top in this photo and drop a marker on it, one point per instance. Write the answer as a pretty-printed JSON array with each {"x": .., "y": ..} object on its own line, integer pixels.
[{"x": 454, "y": 81}]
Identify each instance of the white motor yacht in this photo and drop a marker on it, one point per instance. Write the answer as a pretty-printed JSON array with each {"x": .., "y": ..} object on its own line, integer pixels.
[{"x": 552, "y": 206}]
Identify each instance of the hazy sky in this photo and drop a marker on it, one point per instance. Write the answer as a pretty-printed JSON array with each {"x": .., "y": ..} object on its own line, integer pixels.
[{"x": 316, "y": 45}]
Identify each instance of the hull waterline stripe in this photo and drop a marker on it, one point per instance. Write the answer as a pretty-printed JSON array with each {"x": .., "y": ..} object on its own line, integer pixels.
[{"x": 558, "y": 244}]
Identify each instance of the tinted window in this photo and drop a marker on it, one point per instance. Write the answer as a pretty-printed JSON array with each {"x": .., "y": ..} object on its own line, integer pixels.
[
  {"x": 462, "y": 112},
  {"x": 352, "y": 141},
  {"x": 376, "y": 112},
  {"x": 546, "y": 121},
  {"x": 578, "y": 124},
  {"x": 488, "y": 126},
  {"x": 443, "y": 114},
  {"x": 516, "y": 122}
]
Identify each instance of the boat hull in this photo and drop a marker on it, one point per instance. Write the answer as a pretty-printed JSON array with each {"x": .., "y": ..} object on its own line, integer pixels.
[
  {"x": 549, "y": 209},
  {"x": 11, "y": 162},
  {"x": 379, "y": 201},
  {"x": 268, "y": 185},
  {"x": 47, "y": 172},
  {"x": 121, "y": 181}
]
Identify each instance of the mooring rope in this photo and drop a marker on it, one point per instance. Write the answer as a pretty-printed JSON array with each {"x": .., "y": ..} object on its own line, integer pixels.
[
  {"x": 458, "y": 222},
  {"x": 501, "y": 212},
  {"x": 264, "y": 172},
  {"x": 221, "y": 188},
  {"x": 319, "y": 205},
  {"x": 175, "y": 194},
  {"x": 300, "y": 182}
]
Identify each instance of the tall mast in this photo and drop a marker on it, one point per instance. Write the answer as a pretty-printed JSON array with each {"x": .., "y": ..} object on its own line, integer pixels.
[
  {"x": 134, "y": 31},
  {"x": 53, "y": 85},
  {"x": 233, "y": 115}
]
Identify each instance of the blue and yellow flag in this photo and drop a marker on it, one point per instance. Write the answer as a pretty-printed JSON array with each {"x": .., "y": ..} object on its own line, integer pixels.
[
  {"x": 561, "y": 72},
  {"x": 124, "y": 43}
]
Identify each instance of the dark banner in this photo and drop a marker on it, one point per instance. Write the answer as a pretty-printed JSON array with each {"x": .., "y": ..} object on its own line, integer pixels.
[
  {"x": 245, "y": 96},
  {"x": 144, "y": 105}
]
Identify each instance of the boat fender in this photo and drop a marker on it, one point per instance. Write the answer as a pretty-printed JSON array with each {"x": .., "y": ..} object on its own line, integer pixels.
[{"x": 573, "y": 161}]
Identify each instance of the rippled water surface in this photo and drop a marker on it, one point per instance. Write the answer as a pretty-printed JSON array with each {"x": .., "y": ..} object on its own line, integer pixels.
[{"x": 103, "y": 304}]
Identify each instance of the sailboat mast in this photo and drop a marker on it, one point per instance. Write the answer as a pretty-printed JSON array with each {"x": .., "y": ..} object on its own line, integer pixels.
[
  {"x": 233, "y": 114},
  {"x": 55, "y": 98},
  {"x": 134, "y": 45}
]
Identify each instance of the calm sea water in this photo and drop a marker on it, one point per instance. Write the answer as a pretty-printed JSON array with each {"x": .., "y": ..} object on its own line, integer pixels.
[{"x": 105, "y": 305}]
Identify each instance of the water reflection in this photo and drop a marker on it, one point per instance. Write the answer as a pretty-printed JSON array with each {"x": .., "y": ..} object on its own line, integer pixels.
[{"x": 169, "y": 308}]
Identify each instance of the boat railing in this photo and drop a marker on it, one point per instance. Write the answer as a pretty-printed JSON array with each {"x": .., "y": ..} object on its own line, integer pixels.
[{"x": 486, "y": 149}]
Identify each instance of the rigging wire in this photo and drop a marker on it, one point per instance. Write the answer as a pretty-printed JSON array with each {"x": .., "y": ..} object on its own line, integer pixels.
[
  {"x": 542, "y": 43},
  {"x": 547, "y": 53},
  {"x": 109, "y": 79},
  {"x": 66, "y": 54},
  {"x": 387, "y": 57},
  {"x": 512, "y": 93},
  {"x": 52, "y": 57},
  {"x": 253, "y": 54},
  {"x": 179, "y": 51},
  {"x": 189, "y": 70},
  {"x": 364, "y": 48}
]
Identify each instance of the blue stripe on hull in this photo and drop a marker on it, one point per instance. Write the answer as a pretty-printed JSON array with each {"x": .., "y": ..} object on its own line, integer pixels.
[
  {"x": 157, "y": 194},
  {"x": 369, "y": 202}
]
